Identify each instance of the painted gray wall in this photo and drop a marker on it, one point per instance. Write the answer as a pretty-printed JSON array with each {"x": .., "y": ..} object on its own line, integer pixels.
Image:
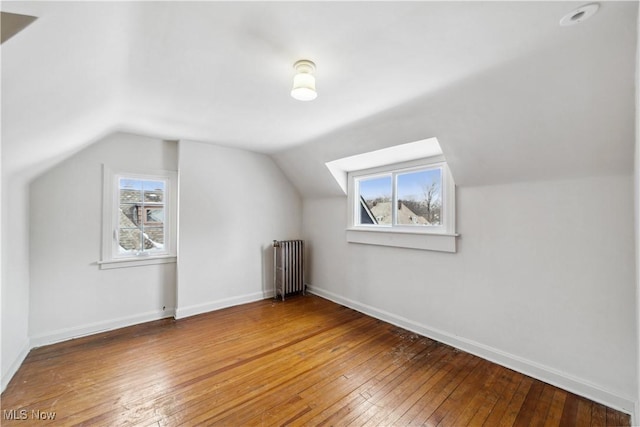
[
  {"x": 69, "y": 295},
  {"x": 233, "y": 204}
]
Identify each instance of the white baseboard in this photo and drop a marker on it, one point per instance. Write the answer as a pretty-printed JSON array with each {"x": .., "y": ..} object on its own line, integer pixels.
[
  {"x": 97, "y": 327},
  {"x": 192, "y": 310},
  {"x": 527, "y": 367},
  {"x": 15, "y": 365}
]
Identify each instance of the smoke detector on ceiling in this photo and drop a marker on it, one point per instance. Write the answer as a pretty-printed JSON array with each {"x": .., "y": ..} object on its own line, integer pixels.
[{"x": 580, "y": 14}]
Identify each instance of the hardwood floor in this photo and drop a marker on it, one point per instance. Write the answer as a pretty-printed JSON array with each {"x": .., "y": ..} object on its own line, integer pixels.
[{"x": 306, "y": 361}]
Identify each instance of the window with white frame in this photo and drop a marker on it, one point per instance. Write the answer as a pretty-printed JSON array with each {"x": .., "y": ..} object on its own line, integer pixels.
[
  {"x": 409, "y": 198},
  {"x": 139, "y": 218}
]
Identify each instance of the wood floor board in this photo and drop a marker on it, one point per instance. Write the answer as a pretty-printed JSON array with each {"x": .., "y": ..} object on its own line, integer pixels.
[
  {"x": 515, "y": 404},
  {"x": 305, "y": 361},
  {"x": 598, "y": 415},
  {"x": 301, "y": 384},
  {"x": 297, "y": 377},
  {"x": 570, "y": 411},
  {"x": 555, "y": 410},
  {"x": 583, "y": 417},
  {"x": 531, "y": 400},
  {"x": 492, "y": 399},
  {"x": 411, "y": 392},
  {"x": 250, "y": 394},
  {"x": 441, "y": 392},
  {"x": 542, "y": 407},
  {"x": 348, "y": 375},
  {"x": 148, "y": 366},
  {"x": 503, "y": 397},
  {"x": 615, "y": 418},
  {"x": 382, "y": 396},
  {"x": 476, "y": 400},
  {"x": 233, "y": 384},
  {"x": 334, "y": 390},
  {"x": 461, "y": 394},
  {"x": 217, "y": 372},
  {"x": 353, "y": 404},
  {"x": 429, "y": 398}
]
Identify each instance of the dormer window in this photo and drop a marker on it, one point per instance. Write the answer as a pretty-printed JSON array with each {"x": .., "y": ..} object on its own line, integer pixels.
[
  {"x": 414, "y": 199},
  {"x": 401, "y": 196}
]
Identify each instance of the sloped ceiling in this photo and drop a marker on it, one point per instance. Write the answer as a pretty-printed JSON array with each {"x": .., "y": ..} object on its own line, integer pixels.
[{"x": 508, "y": 92}]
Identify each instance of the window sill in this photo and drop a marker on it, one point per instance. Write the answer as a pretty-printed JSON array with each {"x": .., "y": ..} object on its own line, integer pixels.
[
  {"x": 441, "y": 242},
  {"x": 136, "y": 262}
]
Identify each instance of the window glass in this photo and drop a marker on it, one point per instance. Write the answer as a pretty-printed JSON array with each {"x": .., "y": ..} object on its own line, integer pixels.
[
  {"x": 408, "y": 204},
  {"x": 419, "y": 196},
  {"x": 141, "y": 225},
  {"x": 154, "y": 214},
  {"x": 375, "y": 198},
  {"x": 130, "y": 190}
]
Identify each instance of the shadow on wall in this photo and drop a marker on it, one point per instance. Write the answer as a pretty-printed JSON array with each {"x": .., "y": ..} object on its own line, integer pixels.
[
  {"x": 308, "y": 271},
  {"x": 267, "y": 271}
]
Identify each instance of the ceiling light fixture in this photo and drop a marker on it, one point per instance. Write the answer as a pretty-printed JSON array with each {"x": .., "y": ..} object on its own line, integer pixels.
[
  {"x": 304, "y": 83},
  {"x": 580, "y": 14}
]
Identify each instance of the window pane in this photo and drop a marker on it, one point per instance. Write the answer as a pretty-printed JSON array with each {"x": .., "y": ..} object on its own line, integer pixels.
[
  {"x": 151, "y": 185},
  {"x": 153, "y": 191},
  {"x": 419, "y": 198},
  {"x": 375, "y": 200},
  {"x": 129, "y": 240},
  {"x": 130, "y": 190},
  {"x": 153, "y": 238},
  {"x": 137, "y": 212},
  {"x": 141, "y": 216},
  {"x": 154, "y": 215},
  {"x": 130, "y": 183},
  {"x": 129, "y": 216}
]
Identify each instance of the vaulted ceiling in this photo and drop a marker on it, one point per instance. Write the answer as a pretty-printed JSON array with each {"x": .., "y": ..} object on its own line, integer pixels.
[{"x": 496, "y": 82}]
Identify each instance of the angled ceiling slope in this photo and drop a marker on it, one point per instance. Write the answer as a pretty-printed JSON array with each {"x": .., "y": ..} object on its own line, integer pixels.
[{"x": 491, "y": 80}]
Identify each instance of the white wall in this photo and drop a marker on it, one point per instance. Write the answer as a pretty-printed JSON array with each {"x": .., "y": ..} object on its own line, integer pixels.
[
  {"x": 15, "y": 275},
  {"x": 543, "y": 280},
  {"x": 636, "y": 417},
  {"x": 233, "y": 204},
  {"x": 69, "y": 295}
]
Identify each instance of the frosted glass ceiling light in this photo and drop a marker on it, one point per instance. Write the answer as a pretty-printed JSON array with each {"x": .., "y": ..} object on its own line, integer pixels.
[{"x": 304, "y": 83}]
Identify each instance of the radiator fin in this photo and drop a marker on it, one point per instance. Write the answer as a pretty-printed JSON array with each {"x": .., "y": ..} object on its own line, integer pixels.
[{"x": 288, "y": 267}]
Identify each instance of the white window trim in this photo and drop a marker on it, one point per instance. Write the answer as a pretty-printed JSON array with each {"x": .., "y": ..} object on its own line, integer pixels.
[
  {"x": 110, "y": 206},
  {"x": 441, "y": 238}
]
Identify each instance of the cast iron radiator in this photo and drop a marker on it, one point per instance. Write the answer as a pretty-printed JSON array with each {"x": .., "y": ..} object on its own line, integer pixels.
[{"x": 288, "y": 267}]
